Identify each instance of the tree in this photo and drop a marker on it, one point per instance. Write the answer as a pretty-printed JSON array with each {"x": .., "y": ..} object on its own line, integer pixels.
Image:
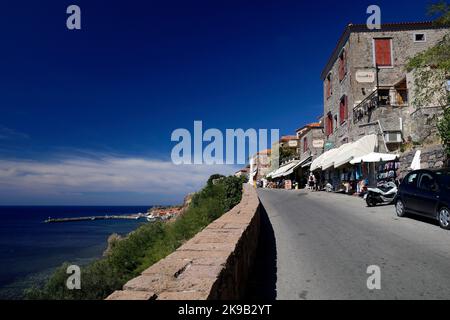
[
  {"x": 286, "y": 153},
  {"x": 431, "y": 70}
]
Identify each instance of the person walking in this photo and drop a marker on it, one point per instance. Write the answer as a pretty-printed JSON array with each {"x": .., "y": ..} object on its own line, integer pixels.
[{"x": 311, "y": 182}]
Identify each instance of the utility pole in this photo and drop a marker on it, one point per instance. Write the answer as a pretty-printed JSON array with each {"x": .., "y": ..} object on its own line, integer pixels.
[{"x": 377, "y": 70}]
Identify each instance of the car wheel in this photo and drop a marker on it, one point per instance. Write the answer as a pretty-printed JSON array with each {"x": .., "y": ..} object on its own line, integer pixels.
[
  {"x": 444, "y": 218},
  {"x": 400, "y": 208}
]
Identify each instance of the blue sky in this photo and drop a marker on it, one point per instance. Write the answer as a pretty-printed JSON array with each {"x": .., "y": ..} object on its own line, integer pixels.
[{"x": 79, "y": 108}]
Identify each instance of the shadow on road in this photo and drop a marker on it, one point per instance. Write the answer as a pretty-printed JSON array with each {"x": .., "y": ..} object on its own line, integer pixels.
[
  {"x": 263, "y": 277},
  {"x": 422, "y": 219}
]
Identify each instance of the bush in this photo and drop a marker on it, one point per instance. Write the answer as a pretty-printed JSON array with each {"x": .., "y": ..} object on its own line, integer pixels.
[{"x": 145, "y": 246}]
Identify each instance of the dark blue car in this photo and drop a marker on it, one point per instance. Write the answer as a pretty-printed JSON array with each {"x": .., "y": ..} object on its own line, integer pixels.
[{"x": 426, "y": 193}]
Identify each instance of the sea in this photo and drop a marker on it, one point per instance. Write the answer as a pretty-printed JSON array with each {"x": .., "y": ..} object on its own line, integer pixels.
[{"x": 30, "y": 250}]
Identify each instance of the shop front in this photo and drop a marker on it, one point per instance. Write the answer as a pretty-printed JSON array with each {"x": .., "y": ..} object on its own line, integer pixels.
[{"x": 354, "y": 166}]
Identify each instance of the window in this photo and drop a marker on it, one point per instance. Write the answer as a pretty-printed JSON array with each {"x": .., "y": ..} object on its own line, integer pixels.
[
  {"x": 342, "y": 65},
  {"x": 343, "y": 109},
  {"x": 328, "y": 87},
  {"x": 426, "y": 182},
  {"x": 412, "y": 180},
  {"x": 444, "y": 179},
  {"x": 383, "y": 52},
  {"x": 305, "y": 144},
  {"x": 420, "y": 37},
  {"x": 329, "y": 124}
]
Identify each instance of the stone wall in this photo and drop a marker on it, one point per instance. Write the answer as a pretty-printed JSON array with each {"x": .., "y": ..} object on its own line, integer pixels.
[
  {"x": 360, "y": 56},
  {"x": 434, "y": 157},
  {"x": 214, "y": 265},
  {"x": 422, "y": 125}
]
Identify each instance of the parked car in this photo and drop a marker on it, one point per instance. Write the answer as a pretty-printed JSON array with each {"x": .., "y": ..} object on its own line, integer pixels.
[{"x": 426, "y": 193}]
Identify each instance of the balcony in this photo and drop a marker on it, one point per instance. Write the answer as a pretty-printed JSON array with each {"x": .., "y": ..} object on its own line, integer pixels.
[{"x": 392, "y": 97}]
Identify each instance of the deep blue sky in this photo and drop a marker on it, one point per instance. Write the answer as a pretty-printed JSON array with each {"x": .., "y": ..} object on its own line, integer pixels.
[{"x": 140, "y": 69}]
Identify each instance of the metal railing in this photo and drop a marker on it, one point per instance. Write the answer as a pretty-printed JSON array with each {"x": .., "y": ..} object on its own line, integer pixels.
[{"x": 377, "y": 99}]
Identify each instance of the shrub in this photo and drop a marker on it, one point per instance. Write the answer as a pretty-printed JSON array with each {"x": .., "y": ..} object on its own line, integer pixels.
[{"x": 145, "y": 246}]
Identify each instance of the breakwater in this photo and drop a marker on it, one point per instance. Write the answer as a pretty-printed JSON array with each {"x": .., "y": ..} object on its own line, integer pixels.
[{"x": 93, "y": 218}]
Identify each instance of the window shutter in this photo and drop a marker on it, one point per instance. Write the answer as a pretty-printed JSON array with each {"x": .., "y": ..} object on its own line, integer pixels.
[
  {"x": 383, "y": 52},
  {"x": 346, "y": 107}
]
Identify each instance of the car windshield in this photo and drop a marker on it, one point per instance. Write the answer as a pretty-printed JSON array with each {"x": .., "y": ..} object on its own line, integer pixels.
[{"x": 444, "y": 178}]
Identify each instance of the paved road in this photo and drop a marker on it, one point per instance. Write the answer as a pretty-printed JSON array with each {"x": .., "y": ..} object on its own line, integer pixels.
[{"x": 325, "y": 242}]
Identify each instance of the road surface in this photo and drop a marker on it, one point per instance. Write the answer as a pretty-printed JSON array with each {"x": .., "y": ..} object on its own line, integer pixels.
[{"x": 325, "y": 242}]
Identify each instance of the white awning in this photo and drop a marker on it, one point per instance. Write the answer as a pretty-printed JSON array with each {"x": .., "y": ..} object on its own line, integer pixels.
[
  {"x": 328, "y": 160},
  {"x": 356, "y": 149},
  {"x": 296, "y": 166},
  {"x": 375, "y": 157},
  {"x": 316, "y": 164},
  {"x": 284, "y": 170},
  {"x": 339, "y": 156},
  {"x": 307, "y": 164}
]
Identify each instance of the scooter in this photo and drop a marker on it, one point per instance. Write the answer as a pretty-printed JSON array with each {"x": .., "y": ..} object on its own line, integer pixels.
[{"x": 384, "y": 193}]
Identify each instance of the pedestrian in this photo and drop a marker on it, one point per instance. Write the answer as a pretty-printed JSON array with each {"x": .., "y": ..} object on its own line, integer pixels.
[{"x": 311, "y": 182}]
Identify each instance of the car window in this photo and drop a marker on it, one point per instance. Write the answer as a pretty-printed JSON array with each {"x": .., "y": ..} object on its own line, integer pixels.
[
  {"x": 411, "y": 180},
  {"x": 426, "y": 181},
  {"x": 444, "y": 179}
]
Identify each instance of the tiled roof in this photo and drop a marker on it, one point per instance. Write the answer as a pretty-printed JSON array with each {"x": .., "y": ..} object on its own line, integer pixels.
[
  {"x": 351, "y": 28},
  {"x": 287, "y": 138},
  {"x": 267, "y": 151},
  {"x": 314, "y": 125}
]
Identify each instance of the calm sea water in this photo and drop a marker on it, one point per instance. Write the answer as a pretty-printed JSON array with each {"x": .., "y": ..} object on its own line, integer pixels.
[{"x": 31, "y": 249}]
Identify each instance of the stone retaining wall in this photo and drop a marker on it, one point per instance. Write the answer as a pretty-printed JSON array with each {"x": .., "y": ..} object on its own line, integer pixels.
[
  {"x": 433, "y": 157},
  {"x": 214, "y": 265}
]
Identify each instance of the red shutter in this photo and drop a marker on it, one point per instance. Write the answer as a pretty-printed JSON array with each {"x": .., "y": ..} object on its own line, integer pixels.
[
  {"x": 346, "y": 107},
  {"x": 305, "y": 144},
  {"x": 343, "y": 109},
  {"x": 329, "y": 126},
  {"x": 383, "y": 52}
]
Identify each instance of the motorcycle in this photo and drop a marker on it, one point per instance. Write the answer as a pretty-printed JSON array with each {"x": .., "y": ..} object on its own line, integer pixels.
[{"x": 384, "y": 193}]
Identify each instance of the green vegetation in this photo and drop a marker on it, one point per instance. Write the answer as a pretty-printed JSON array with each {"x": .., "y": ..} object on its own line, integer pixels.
[
  {"x": 444, "y": 129},
  {"x": 431, "y": 69},
  {"x": 287, "y": 153},
  {"x": 145, "y": 246}
]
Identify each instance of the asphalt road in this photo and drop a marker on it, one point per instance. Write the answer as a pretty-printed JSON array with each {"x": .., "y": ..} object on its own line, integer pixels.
[{"x": 325, "y": 242}]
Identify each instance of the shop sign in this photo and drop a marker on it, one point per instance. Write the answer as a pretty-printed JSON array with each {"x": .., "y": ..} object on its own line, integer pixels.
[
  {"x": 318, "y": 143},
  {"x": 329, "y": 145},
  {"x": 364, "y": 76},
  {"x": 292, "y": 143}
]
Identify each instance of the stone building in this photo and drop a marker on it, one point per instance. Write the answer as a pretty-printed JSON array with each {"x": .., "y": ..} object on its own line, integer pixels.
[
  {"x": 311, "y": 141},
  {"x": 368, "y": 91},
  {"x": 260, "y": 166},
  {"x": 242, "y": 172},
  {"x": 286, "y": 142}
]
